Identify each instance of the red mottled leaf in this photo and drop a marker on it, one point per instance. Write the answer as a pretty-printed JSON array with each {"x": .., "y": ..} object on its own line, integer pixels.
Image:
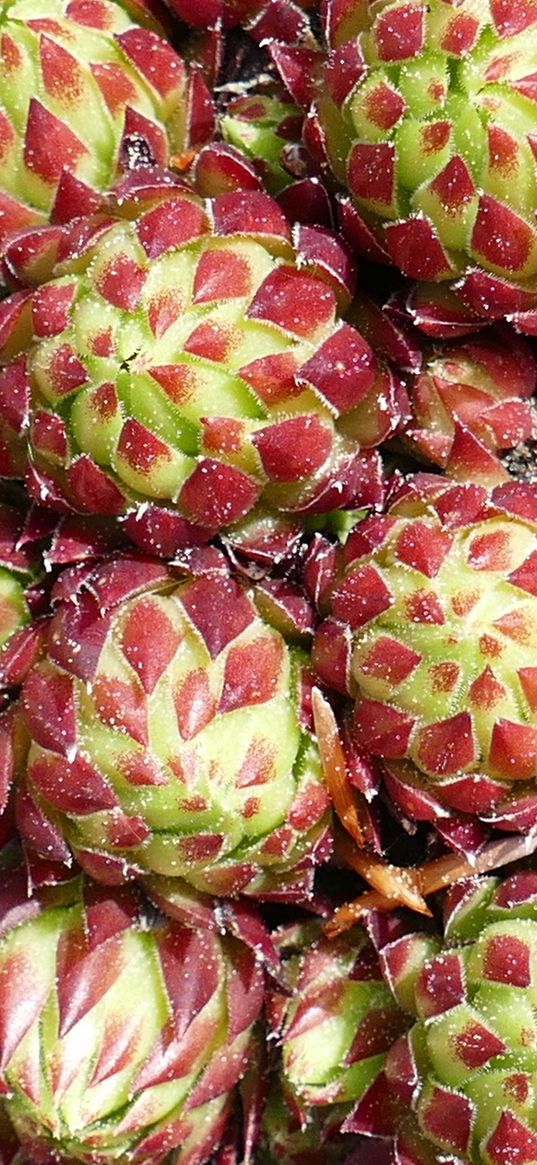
[
  {"x": 50, "y": 308},
  {"x": 217, "y": 494},
  {"x": 62, "y": 76},
  {"x": 78, "y": 636},
  {"x": 475, "y": 1045},
  {"x": 257, "y": 768},
  {"x": 294, "y": 449},
  {"x": 528, "y": 680},
  {"x": 121, "y": 706},
  {"x": 447, "y": 746},
  {"x": 36, "y": 829},
  {"x": 184, "y": 954},
  {"x": 361, "y": 596},
  {"x": 141, "y": 769},
  {"x": 65, "y": 370},
  {"x": 82, "y": 987},
  {"x": 118, "y": 1047},
  {"x": 344, "y": 67},
  {"x": 249, "y": 212},
  {"x": 511, "y": 1141},
  {"x": 24, "y": 990},
  {"x": 440, "y": 985},
  {"x": 507, "y": 959},
  {"x": 116, "y": 87},
  {"x": 371, "y": 173},
  {"x": 511, "y": 17},
  {"x": 149, "y": 641},
  {"x": 73, "y": 788},
  {"x": 401, "y": 1069},
  {"x": 221, "y": 274},
  {"x": 121, "y": 281},
  {"x": 486, "y": 691},
  {"x": 460, "y": 33},
  {"x": 194, "y": 703},
  {"x": 513, "y": 750},
  {"x": 448, "y": 1117},
  {"x": 49, "y": 435},
  {"x": 389, "y": 660},
  {"x": 376, "y": 1033},
  {"x": 92, "y": 488},
  {"x": 49, "y": 145},
  {"x": 245, "y": 989},
  {"x": 342, "y": 369},
  {"x": 106, "y": 914},
  {"x": 295, "y": 302},
  {"x": 122, "y": 832},
  {"x": 252, "y": 673},
  {"x": 154, "y": 58},
  {"x": 15, "y": 393},
  {"x": 170, "y": 225},
  {"x": 525, "y": 576},
  {"x": 501, "y": 236},
  {"x": 219, "y": 609},
  {"x": 423, "y": 547},
  {"x": 49, "y": 708},
  {"x": 399, "y": 33},
  {"x": 381, "y": 730},
  {"x": 416, "y": 249}
]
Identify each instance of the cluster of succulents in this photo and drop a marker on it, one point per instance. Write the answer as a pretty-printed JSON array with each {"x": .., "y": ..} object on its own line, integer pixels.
[{"x": 268, "y": 582}]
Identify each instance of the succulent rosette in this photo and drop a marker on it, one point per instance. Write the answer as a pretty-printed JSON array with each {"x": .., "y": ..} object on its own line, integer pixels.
[
  {"x": 432, "y": 629},
  {"x": 171, "y": 735},
  {"x": 123, "y": 1037},
  {"x": 465, "y": 1071},
  {"x": 469, "y": 401},
  {"x": 194, "y": 360},
  {"x": 426, "y": 110},
  {"x": 268, "y": 131},
  {"x": 83, "y": 86},
  {"x": 334, "y": 1028}
]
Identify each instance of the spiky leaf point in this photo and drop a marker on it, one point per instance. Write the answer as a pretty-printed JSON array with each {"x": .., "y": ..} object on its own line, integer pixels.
[
  {"x": 467, "y": 1066},
  {"x": 149, "y": 320},
  {"x": 153, "y": 741},
  {"x": 439, "y": 599},
  {"x": 119, "y": 1040},
  {"x": 84, "y": 90},
  {"x": 427, "y": 114}
]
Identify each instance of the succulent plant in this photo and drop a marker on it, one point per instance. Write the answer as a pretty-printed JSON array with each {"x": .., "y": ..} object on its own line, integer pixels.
[
  {"x": 86, "y": 90},
  {"x": 465, "y": 1070},
  {"x": 171, "y": 735},
  {"x": 426, "y": 110},
  {"x": 432, "y": 629},
  {"x": 469, "y": 401},
  {"x": 122, "y": 1038},
  {"x": 267, "y": 130},
  {"x": 194, "y": 360},
  {"x": 334, "y": 1028}
]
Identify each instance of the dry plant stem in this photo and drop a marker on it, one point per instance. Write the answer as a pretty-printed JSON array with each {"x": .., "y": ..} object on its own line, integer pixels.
[
  {"x": 436, "y": 875},
  {"x": 399, "y": 885}
]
